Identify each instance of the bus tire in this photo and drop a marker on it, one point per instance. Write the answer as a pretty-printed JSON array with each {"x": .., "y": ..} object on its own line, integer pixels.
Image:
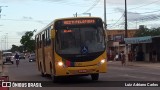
[
  {"x": 42, "y": 74},
  {"x": 95, "y": 76},
  {"x": 55, "y": 79}
]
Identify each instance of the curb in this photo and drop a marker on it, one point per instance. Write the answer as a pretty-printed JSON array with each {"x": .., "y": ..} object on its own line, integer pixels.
[{"x": 153, "y": 65}]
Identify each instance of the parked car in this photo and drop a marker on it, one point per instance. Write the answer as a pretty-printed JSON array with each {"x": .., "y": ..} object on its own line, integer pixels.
[
  {"x": 21, "y": 56},
  {"x": 32, "y": 58},
  {"x": 8, "y": 57}
]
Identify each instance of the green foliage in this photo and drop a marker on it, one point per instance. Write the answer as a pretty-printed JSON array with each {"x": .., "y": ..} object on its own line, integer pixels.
[
  {"x": 17, "y": 48},
  {"x": 28, "y": 42},
  {"x": 14, "y": 48},
  {"x": 147, "y": 32}
]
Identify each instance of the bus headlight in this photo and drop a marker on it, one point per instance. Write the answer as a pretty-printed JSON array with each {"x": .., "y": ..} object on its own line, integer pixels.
[
  {"x": 60, "y": 63},
  {"x": 103, "y": 61}
]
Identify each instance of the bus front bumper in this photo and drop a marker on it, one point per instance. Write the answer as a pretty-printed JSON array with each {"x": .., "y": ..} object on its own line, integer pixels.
[{"x": 67, "y": 71}]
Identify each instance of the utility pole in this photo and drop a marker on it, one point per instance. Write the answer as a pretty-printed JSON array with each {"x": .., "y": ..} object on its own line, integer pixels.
[
  {"x": 105, "y": 24},
  {"x": 75, "y": 15},
  {"x": 126, "y": 32},
  {"x": 0, "y": 18},
  {"x": 1, "y": 9},
  {"x": 1, "y": 43},
  {"x": 7, "y": 41}
]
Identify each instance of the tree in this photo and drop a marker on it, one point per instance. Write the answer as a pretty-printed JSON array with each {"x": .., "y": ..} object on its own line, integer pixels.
[
  {"x": 27, "y": 41},
  {"x": 147, "y": 32},
  {"x": 14, "y": 48}
]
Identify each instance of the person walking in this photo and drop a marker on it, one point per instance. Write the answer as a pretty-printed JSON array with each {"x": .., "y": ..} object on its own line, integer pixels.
[{"x": 123, "y": 59}]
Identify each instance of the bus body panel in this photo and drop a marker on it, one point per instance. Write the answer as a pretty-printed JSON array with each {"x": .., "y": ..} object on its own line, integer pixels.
[
  {"x": 52, "y": 59},
  {"x": 90, "y": 67},
  {"x": 48, "y": 58},
  {"x": 40, "y": 59}
]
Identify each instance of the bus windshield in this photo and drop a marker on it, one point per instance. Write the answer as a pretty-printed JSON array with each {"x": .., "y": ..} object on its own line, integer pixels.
[{"x": 80, "y": 40}]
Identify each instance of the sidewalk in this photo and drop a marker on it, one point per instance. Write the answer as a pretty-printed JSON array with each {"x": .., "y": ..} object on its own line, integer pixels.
[{"x": 136, "y": 63}]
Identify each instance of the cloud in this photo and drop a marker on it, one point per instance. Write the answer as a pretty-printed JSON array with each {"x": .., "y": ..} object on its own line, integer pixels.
[
  {"x": 27, "y": 18},
  {"x": 133, "y": 2},
  {"x": 11, "y": 1},
  {"x": 5, "y": 1},
  {"x": 130, "y": 2},
  {"x": 139, "y": 17},
  {"x": 133, "y": 16},
  {"x": 21, "y": 33}
]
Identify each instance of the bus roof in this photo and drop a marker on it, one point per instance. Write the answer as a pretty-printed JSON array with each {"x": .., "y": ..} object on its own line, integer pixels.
[{"x": 51, "y": 23}]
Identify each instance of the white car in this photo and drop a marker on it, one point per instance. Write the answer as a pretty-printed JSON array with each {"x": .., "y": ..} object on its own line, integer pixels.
[
  {"x": 32, "y": 58},
  {"x": 8, "y": 57}
]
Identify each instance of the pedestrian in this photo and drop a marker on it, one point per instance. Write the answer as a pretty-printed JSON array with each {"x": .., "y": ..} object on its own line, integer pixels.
[
  {"x": 123, "y": 59},
  {"x": 116, "y": 57}
]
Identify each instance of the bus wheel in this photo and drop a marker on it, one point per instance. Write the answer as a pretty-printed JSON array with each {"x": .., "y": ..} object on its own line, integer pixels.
[
  {"x": 94, "y": 76},
  {"x": 42, "y": 74},
  {"x": 55, "y": 79}
]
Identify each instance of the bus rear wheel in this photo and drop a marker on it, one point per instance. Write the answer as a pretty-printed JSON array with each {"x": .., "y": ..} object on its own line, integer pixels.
[
  {"x": 55, "y": 79},
  {"x": 95, "y": 76},
  {"x": 42, "y": 74}
]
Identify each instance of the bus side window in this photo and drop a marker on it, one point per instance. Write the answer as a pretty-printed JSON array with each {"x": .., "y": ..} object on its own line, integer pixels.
[
  {"x": 45, "y": 38},
  {"x": 40, "y": 41},
  {"x": 49, "y": 38},
  {"x": 37, "y": 43}
]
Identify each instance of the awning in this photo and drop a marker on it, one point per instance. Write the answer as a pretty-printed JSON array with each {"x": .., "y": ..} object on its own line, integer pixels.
[{"x": 136, "y": 40}]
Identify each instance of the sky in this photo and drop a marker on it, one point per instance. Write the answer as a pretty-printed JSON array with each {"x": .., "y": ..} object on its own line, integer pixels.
[{"x": 26, "y": 15}]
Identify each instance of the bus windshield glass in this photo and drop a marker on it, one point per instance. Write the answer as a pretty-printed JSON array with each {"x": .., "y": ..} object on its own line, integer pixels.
[{"x": 80, "y": 40}]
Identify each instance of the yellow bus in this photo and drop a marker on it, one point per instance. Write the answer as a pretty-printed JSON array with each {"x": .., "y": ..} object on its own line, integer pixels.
[{"x": 72, "y": 46}]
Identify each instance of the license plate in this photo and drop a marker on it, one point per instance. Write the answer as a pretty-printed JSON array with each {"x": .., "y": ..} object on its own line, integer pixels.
[{"x": 82, "y": 71}]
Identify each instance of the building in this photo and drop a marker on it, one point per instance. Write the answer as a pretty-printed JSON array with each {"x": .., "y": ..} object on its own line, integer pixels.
[
  {"x": 116, "y": 42},
  {"x": 145, "y": 48}
]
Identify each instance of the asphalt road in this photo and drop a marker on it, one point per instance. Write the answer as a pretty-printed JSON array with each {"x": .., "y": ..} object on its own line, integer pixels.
[{"x": 27, "y": 71}]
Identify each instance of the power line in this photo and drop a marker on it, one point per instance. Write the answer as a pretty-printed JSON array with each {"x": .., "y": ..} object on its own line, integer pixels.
[
  {"x": 94, "y": 4},
  {"x": 145, "y": 5},
  {"x": 139, "y": 6},
  {"x": 26, "y": 20},
  {"x": 74, "y": 3},
  {"x": 150, "y": 12},
  {"x": 117, "y": 21}
]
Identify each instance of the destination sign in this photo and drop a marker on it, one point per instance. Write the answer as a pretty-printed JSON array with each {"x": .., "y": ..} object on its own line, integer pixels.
[
  {"x": 82, "y": 21},
  {"x": 67, "y": 31}
]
